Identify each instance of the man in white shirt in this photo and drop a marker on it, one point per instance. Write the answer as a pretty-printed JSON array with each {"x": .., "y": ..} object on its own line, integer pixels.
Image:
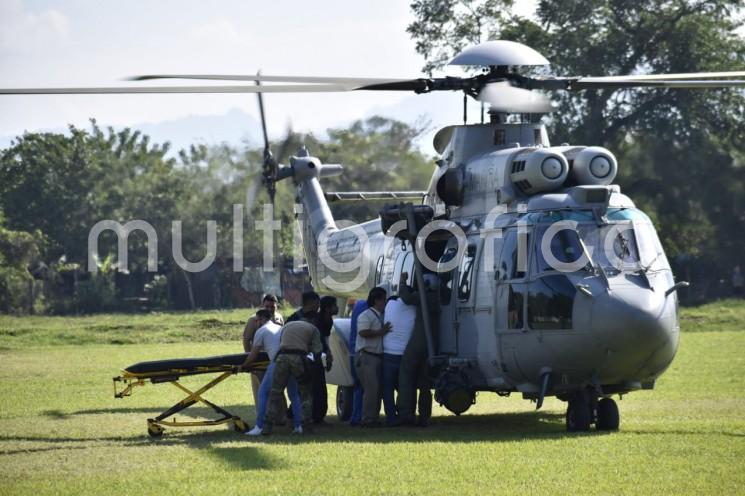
[
  {"x": 267, "y": 339},
  {"x": 369, "y": 355},
  {"x": 402, "y": 318}
]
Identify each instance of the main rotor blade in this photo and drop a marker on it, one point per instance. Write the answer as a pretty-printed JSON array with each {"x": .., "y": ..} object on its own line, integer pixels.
[
  {"x": 357, "y": 81},
  {"x": 290, "y": 88},
  {"x": 599, "y": 83},
  {"x": 506, "y": 98},
  {"x": 661, "y": 77}
]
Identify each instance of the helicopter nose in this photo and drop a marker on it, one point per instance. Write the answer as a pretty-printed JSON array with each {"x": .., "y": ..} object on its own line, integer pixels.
[{"x": 637, "y": 330}]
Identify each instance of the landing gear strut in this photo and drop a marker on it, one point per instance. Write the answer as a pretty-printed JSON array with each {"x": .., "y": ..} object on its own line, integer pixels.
[{"x": 585, "y": 409}]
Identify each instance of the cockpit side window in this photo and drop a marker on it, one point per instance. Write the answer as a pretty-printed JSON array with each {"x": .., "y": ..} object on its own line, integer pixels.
[
  {"x": 513, "y": 260},
  {"x": 446, "y": 277},
  {"x": 466, "y": 274},
  {"x": 651, "y": 254}
]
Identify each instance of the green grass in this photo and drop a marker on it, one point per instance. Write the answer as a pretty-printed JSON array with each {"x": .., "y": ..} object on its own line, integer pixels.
[
  {"x": 226, "y": 325},
  {"x": 61, "y": 430},
  {"x": 166, "y": 327}
]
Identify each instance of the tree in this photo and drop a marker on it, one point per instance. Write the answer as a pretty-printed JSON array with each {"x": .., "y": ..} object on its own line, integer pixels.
[
  {"x": 60, "y": 186},
  {"x": 19, "y": 250},
  {"x": 680, "y": 151}
]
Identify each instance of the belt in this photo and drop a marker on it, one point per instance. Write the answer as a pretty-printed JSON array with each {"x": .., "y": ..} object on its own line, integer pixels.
[
  {"x": 379, "y": 355},
  {"x": 292, "y": 352}
]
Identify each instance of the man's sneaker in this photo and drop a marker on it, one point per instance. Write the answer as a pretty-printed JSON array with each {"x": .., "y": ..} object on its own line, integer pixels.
[
  {"x": 256, "y": 431},
  {"x": 298, "y": 430}
]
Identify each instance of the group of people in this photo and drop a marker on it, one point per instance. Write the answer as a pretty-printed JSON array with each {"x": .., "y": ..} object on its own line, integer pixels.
[
  {"x": 296, "y": 349},
  {"x": 388, "y": 350},
  {"x": 388, "y": 354}
]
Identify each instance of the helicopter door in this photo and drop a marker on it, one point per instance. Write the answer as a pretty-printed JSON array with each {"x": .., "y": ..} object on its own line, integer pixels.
[
  {"x": 511, "y": 289},
  {"x": 447, "y": 335},
  {"x": 465, "y": 323}
]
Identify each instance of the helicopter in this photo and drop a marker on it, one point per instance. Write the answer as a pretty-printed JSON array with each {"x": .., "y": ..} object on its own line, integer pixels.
[{"x": 551, "y": 282}]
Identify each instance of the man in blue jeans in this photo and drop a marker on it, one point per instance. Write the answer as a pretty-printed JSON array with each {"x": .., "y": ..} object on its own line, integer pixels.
[
  {"x": 356, "y": 417},
  {"x": 401, "y": 318},
  {"x": 267, "y": 339}
]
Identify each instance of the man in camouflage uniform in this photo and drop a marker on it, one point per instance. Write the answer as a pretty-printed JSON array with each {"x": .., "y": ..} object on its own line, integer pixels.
[{"x": 298, "y": 339}]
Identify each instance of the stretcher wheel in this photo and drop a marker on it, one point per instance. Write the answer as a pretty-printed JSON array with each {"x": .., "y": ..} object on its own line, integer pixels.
[
  {"x": 154, "y": 430},
  {"x": 240, "y": 426}
]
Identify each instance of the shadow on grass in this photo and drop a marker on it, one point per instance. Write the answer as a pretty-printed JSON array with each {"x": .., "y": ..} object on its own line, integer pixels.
[
  {"x": 499, "y": 427},
  {"x": 512, "y": 426},
  {"x": 246, "y": 457},
  {"x": 244, "y": 411}
]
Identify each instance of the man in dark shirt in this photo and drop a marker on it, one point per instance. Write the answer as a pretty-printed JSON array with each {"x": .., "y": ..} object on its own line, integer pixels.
[
  {"x": 324, "y": 323},
  {"x": 311, "y": 303}
]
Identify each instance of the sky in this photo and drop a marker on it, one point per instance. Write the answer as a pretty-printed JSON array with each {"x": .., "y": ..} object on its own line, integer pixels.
[{"x": 94, "y": 43}]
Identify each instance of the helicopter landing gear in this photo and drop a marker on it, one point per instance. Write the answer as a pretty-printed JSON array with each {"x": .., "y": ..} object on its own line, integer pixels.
[
  {"x": 607, "y": 417},
  {"x": 584, "y": 409},
  {"x": 579, "y": 412}
]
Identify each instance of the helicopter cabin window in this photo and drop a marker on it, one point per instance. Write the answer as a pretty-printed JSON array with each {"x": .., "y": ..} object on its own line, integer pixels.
[
  {"x": 466, "y": 274},
  {"x": 408, "y": 267},
  {"x": 515, "y": 309},
  {"x": 550, "y": 303},
  {"x": 446, "y": 278},
  {"x": 513, "y": 260},
  {"x": 403, "y": 260},
  {"x": 378, "y": 270}
]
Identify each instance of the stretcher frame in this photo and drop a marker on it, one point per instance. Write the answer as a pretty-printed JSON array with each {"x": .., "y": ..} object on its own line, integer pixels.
[{"x": 128, "y": 381}]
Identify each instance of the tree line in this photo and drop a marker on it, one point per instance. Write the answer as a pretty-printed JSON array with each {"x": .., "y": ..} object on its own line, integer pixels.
[
  {"x": 55, "y": 187},
  {"x": 680, "y": 153}
]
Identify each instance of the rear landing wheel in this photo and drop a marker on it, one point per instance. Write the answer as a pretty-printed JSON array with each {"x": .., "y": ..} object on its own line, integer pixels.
[
  {"x": 344, "y": 399},
  {"x": 579, "y": 413},
  {"x": 608, "y": 417}
]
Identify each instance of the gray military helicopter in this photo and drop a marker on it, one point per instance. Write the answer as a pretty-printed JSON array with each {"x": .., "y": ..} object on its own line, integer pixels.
[{"x": 550, "y": 281}]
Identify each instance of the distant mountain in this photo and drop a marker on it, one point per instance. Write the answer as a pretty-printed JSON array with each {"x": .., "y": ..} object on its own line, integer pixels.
[
  {"x": 432, "y": 111},
  {"x": 235, "y": 128}
]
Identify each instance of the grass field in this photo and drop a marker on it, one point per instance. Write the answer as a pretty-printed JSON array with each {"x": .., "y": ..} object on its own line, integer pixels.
[{"x": 61, "y": 430}]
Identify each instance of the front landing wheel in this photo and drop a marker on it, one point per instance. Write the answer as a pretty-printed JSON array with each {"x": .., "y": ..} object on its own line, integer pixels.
[
  {"x": 579, "y": 413},
  {"x": 608, "y": 417}
]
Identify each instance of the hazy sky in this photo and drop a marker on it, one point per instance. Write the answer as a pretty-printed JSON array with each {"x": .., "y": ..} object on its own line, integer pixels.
[{"x": 95, "y": 43}]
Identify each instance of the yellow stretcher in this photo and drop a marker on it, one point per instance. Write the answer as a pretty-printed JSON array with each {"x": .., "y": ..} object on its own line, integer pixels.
[{"x": 170, "y": 371}]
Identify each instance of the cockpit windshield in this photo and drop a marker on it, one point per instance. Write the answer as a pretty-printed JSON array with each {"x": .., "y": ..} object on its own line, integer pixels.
[{"x": 571, "y": 243}]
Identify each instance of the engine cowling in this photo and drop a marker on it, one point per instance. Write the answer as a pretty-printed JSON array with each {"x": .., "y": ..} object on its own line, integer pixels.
[
  {"x": 539, "y": 170},
  {"x": 594, "y": 165}
]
